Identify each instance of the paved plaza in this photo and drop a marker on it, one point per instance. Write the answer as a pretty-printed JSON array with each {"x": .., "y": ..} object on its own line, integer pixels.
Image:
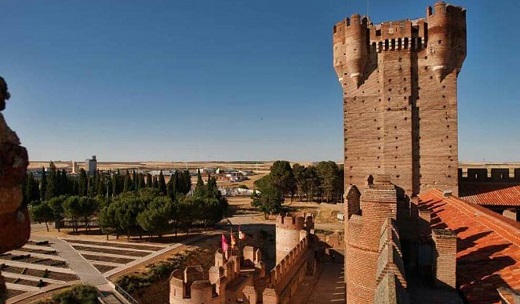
[{"x": 45, "y": 264}]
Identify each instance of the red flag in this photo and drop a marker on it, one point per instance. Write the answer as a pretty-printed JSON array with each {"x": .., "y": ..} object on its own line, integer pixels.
[
  {"x": 224, "y": 244},
  {"x": 241, "y": 235}
]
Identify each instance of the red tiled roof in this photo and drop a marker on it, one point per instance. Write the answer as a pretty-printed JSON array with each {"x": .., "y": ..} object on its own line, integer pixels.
[
  {"x": 507, "y": 197},
  {"x": 488, "y": 246}
]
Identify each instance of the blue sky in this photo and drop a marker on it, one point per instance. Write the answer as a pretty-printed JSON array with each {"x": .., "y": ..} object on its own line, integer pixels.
[{"x": 223, "y": 80}]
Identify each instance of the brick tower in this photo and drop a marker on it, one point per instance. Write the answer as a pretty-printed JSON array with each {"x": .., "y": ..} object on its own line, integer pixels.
[
  {"x": 290, "y": 230},
  {"x": 399, "y": 83}
]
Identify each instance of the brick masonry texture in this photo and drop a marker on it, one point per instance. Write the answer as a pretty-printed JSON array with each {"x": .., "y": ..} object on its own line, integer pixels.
[{"x": 400, "y": 97}]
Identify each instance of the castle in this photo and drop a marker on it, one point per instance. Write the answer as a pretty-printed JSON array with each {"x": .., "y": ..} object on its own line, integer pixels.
[
  {"x": 399, "y": 83},
  {"x": 403, "y": 218},
  {"x": 243, "y": 278}
]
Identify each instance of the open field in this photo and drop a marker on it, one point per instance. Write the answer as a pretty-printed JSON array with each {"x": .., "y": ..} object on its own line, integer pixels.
[{"x": 245, "y": 165}]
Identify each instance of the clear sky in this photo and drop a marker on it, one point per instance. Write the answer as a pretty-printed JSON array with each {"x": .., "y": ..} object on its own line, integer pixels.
[{"x": 223, "y": 79}]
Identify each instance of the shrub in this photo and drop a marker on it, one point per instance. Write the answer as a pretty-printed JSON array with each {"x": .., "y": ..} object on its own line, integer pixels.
[{"x": 79, "y": 294}]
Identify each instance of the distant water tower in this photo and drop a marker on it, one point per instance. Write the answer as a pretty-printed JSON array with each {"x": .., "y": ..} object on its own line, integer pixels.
[{"x": 91, "y": 165}]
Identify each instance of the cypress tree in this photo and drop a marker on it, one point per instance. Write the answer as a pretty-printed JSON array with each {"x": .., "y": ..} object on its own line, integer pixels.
[
  {"x": 114, "y": 184},
  {"x": 149, "y": 183},
  {"x": 50, "y": 190},
  {"x": 100, "y": 185},
  {"x": 162, "y": 183},
  {"x": 82, "y": 183},
  {"x": 169, "y": 187},
  {"x": 128, "y": 183},
  {"x": 135, "y": 180},
  {"x": 200, "y": 190},
  {"x": 32, "y": 193},
  {"x": 43, "y": 184},
  {"x": 142, "y": 183},
  {"x": 155, "y": 183}
]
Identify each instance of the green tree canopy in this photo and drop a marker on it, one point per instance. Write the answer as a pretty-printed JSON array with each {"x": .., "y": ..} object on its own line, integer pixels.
[
  {"x": 269, "y": 199},
  {"x": 42, "y": 213}
]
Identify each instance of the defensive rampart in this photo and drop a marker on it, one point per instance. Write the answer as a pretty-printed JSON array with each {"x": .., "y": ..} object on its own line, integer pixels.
[{"x": 286, "y": 277}]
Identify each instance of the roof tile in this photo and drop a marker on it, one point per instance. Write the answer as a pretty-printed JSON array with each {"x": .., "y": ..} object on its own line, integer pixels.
[
  {"x": 488, "y": 249},
  {"x": 507, "y": 197}
]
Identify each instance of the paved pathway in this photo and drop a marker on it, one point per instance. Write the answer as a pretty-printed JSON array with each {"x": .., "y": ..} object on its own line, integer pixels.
[
  {"x": 87, "y": 273},
  {"x": 84, "y": 269},
  {"x": 21, "y": 287},
  {"x": 330, "y": 287}
]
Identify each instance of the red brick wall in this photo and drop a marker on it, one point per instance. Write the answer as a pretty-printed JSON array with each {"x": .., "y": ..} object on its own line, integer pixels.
[
  {"x": 378, "y": 204},
  {"x": 445, "y": 257},
  {"x": 400, "y": 117}
]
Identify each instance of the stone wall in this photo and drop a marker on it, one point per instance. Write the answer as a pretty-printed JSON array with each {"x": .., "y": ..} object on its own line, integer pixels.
[{"x": 399, "y": 83}]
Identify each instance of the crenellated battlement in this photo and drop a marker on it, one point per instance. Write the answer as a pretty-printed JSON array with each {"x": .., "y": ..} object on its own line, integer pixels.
[
  {"x": 356, "y": 21},
  {"x": 442, "y": 10},
  {"x": 487, "y": 174},
  {"x": 190, "y": 286},
  {"x": 355, "y": 38},
  {"x": 225, "y": 282},
  {"x": 397, "y": 35},
  {"x": 282, "y": 268},
  {"x": 290, "y": 222}
]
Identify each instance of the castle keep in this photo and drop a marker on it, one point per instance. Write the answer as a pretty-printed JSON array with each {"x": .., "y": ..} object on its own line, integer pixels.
[{"x": 399, "y": 83}]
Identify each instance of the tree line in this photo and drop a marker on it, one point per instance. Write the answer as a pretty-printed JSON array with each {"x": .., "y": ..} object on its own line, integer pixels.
[
  {"x": 55, "y": 182},
  {"x": 320, "y": 183},
  {"x": 125, "y": 204}
]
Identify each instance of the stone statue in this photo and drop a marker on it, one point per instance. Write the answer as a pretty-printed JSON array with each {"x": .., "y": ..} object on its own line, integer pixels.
[{"x": 14, "y": 218}]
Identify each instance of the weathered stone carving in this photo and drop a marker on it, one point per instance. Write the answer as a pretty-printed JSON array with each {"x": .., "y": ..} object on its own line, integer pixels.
[{"x": 14, "y": 218}]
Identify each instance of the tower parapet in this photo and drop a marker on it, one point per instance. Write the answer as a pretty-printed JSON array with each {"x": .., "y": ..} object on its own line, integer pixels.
[
  {"x": 290, "y": 230},
  {"x": 447, "y": 37},
  {"x": 351, "y": 37},
  {"x": 407, "y": 83},
  {"x": 290, "y": 222}
]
